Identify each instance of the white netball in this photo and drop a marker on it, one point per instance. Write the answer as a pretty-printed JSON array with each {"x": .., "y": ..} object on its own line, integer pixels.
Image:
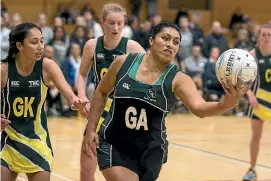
[{"x": 234, "y": 63}]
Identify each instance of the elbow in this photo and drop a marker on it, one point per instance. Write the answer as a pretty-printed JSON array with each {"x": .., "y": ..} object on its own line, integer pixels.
[
  {"x": 198, "y": 111},
  {"x": 200, "y": 115}
]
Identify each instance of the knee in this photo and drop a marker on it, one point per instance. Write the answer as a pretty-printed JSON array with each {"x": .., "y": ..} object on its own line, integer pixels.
[{"x": 256, "y": 137}]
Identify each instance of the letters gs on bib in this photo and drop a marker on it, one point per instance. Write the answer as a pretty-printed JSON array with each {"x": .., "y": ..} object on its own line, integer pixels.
[{"x": 104, "y": 70}]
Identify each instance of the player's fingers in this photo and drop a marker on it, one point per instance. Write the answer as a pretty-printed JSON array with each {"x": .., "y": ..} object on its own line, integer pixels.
[
  {"x": 93, "y": 151},
  {"x": 5, "y": 121},
  {"x": 87, "y": 150},
  {"x": 73, "y": 107},
  {"x": 96, "y": 139},
  {"x": 84, "y": 111},
  {"x": 3, "y": 116},
  {"x": 246, "y": 87},
  {"x": 239, "y": 80},
  {"x": 225, "y": 87},
  {"x": 230, "y": 86},
  {"x": 87, "y": 107},
  {"x": 256, "y": 104}
]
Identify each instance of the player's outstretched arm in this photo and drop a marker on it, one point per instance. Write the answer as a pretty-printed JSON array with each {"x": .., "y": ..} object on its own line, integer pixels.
[
  {"x": 52, "y": 72},
  {"x": 185, "y": 89},
  {"x": 104, "y": 88},
  {"x": 85, "y": 67},
  {"x": 98, "y": 102},
  {"x": 83, "y": 73}
]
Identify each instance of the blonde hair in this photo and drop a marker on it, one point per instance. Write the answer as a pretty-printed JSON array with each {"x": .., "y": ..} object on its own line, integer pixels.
[{"x": 113, "y": 7}]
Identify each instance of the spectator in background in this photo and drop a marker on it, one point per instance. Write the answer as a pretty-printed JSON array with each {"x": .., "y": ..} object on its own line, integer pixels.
[
  {"x": 64, "y": 12},
  {"x": 87, "y": 7},
  {"x": 215, "y": 39},
  {"x": 92, "y": 24},
  {"x": 242, "y": 41},
  {"x": 253, "y": 30},
  {"x": 60, "y": 43},
  {"x": 53, "y": 95},
  {"x": 181, "y": 13},
  {"x": 135, "y": 6},
  {"x": 80, "y": 37},
  {"x": 4, "y": 39},
  {"x": 155, "y": 19},
  {"x": 58, "y": 21},
  {"x": 46, "y": 30},
  {"x": 127, "y": 31},
  {"x": 152, "y": 7},
  {"x": 142, "y": 34},
  {"x": 194, "y": 66},
  {"x": 237, "y": 19},
  {"x": 16, "y": 19},
  {"x": 133, "y": 23},
  {"x": 80, "y": 21},
  {"x": 90, "y": 33},
  {"x": 6, "y": 18},
  {"x": 3, "y": 8},
  {"x": 70, "y": 68},
  {"x": 196, "y": 30},
  {"x": 187, "y": 40},
  {"x": 211, "y": 85}
]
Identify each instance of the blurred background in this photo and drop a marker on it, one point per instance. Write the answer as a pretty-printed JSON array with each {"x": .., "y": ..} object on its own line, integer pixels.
[{"x": 208, "y": 27}]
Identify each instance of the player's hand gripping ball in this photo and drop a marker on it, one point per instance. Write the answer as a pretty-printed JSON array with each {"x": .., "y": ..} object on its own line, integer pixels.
[{"x": 236, "y": 63}]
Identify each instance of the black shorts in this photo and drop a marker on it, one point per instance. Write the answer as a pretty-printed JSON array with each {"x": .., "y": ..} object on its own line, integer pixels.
[{"x": 147, "y": 167}]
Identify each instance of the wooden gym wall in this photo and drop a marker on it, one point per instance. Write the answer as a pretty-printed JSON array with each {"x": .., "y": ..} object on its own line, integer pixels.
[{"x": 221, "y": 10}]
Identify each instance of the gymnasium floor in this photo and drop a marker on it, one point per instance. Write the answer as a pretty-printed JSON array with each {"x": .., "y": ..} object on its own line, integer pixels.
[{"x": 200, "y": 149}]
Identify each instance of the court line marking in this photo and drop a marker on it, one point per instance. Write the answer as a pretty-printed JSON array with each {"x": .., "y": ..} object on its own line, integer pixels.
[
  {"x": 178, "y": 145},
  {"x": 61, "y": 176},
  {"x": 53, "y": 173},
  {"x": 20, "y": 178}
]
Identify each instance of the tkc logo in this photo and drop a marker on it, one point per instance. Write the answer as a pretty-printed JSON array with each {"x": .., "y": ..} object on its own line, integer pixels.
[{"x": 34, "y": 83}]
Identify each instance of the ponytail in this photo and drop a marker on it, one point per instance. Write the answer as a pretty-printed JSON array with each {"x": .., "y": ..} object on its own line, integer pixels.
[{"x": 11, "y": 52}]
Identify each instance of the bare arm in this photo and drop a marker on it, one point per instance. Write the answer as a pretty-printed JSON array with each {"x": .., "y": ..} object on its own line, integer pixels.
[
  {"x": 52, "y": 72},
  {"x": 4, "y": 74},
  {"x": 185, "y": 89},
  {"x": 134, "y": 47},
  {"x": 104, "y": 88},
  {"x": 85, "y": 67}
]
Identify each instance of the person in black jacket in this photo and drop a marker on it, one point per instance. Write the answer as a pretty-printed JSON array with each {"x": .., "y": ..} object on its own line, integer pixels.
[
  {"x": 215, "y": 39},
  {"x": 211, "y": 85}
]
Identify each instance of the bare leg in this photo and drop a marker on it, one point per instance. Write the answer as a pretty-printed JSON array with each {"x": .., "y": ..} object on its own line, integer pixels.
[
  {"x": 88, "y": 167},
  {"x": 257, "y": 127},
  {"x": 39, "y": 176},
  {"x": 7, "y": 175},
  {"x": 118, "y": 173}
]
